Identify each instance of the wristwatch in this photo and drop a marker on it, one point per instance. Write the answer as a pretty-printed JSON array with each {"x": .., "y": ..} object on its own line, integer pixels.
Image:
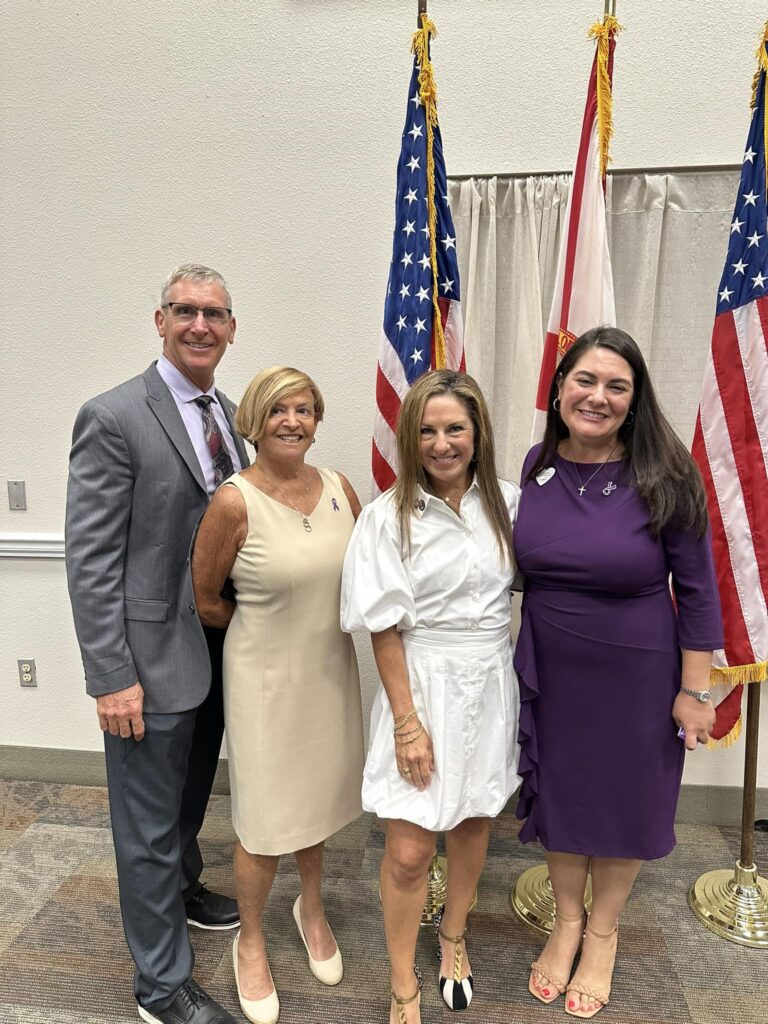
[{"x": 700, "y": 695}]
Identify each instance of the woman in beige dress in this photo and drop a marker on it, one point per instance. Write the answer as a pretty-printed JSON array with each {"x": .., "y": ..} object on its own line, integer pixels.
[{"x": 279, "y": 531}]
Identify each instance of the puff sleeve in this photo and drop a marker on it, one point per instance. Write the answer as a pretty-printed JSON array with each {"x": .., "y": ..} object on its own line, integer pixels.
[
  {"x": 375, "y": 590},
  {"x": 511, "y": 494}
]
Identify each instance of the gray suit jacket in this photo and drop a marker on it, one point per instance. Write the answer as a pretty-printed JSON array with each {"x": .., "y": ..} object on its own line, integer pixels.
[{"x": 135, "y": 494}]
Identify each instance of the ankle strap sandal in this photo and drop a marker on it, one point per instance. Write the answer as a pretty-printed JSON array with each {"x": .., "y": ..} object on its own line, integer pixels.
[
  {"x": 402, "y": 1001},
  {"x": 457, "y": 992},
  {"x": 458, "y": 952}
]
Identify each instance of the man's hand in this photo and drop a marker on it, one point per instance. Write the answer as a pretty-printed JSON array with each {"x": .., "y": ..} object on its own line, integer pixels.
[{"x": 120, "y": 712}]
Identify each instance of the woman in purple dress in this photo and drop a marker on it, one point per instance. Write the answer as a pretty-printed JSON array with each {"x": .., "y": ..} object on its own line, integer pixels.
[{"x": 613, "y": 673}]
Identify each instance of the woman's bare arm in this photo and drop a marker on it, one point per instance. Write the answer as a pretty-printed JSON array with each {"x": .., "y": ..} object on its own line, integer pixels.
[
  {"x": 221, "y": 535},
  {"x": 352, "y": 498},
  {"x": 415, "y": 760}
]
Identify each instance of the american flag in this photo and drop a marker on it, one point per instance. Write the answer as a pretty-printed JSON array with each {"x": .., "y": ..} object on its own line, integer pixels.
[
  {"x": 407, "y": 347},
  {"x": 730, "y": 443},
  {"x": 583, "y": 295}
]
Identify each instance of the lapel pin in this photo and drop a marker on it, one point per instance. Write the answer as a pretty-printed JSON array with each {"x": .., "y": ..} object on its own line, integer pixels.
[{"x": 545, "y": 476}]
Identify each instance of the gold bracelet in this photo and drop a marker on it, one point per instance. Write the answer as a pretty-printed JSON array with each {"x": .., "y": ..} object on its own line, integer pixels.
[
  {"x": 419, "y": 731},
  {"x": 410, "y": 732},
  {"x": 405, "y": 719}
]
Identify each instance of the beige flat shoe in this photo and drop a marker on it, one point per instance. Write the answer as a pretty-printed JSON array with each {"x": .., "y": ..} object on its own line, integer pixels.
[
  {"x": 330, "y": 971},
  {"x": 258, "y": 1011}
]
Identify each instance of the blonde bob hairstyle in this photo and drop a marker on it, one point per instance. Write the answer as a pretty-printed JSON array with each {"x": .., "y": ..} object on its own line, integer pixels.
[
  {"x": 264, "y": 392},
  {"x": 411, "y": 472}
]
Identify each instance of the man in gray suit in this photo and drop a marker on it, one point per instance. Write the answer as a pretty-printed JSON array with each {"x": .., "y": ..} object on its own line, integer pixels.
[{"x": 146, "y": 457}]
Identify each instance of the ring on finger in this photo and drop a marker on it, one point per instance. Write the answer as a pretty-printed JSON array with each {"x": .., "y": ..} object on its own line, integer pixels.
[{"x": 405, "y": 771}]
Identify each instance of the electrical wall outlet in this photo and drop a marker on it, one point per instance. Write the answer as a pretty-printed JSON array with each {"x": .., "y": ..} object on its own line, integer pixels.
[
  {"x": 17, "y": 496},
  {"x": 27, "y": 672}
]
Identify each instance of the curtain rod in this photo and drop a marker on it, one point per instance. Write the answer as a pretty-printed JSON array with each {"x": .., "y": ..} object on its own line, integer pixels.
[{"x": 617, "y": 172}]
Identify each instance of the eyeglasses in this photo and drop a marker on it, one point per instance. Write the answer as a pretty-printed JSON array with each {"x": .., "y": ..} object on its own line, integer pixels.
[{"x": 186, "y": 313}]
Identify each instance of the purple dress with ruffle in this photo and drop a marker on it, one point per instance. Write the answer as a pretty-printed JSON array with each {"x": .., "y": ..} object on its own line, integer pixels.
[{"x": 598, "y": 659}]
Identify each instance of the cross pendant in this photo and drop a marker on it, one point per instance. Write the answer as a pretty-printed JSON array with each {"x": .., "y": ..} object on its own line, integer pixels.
[{"x": 582, "y": 489}]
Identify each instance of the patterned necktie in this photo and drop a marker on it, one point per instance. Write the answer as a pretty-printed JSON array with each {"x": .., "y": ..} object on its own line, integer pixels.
[{"x": 222, "y": 463}]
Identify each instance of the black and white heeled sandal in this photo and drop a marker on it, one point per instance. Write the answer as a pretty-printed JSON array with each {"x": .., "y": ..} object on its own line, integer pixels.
[{"x": 456, "y": 991}]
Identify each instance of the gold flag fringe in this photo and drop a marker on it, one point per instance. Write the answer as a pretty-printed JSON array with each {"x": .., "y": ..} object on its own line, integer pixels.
[
  {"x": 428, "y": 94},
  {"x": 762, "y": 65},
  {"x": 736, "y": 675},
  {"x": 602, "y": 32},
  {"x": 762, "y": 68},
  {"x": 726, "y": 741}
]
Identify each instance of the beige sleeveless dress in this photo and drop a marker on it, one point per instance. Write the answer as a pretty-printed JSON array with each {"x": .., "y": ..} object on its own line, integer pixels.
[{"x": 291, "y": 688}]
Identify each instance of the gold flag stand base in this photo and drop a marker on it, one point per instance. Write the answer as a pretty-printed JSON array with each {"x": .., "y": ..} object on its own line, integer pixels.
[
  {"x": 437, "y": 887},
  {"x": 533, "y": 900},
  {"x": 733, "y": 904}
]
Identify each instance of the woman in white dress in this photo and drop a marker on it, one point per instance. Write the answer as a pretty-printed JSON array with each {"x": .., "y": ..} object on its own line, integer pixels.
[{"x": 428, "y": 572}]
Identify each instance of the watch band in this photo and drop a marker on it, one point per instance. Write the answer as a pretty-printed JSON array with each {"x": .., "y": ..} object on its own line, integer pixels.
[{"x": 700, "y": 695}]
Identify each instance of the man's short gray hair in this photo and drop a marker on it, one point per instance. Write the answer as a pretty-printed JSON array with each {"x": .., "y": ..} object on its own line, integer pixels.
[{"x": 193, "y": 272}]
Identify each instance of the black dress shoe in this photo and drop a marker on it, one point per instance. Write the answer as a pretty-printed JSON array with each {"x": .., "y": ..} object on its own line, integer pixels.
[
  {"x": 208, "y": 909},
  {"x": 191, "y": 1006}
]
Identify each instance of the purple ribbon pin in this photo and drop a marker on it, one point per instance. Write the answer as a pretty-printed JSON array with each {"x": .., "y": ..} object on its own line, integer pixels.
[{"x": 335, "y": 505}]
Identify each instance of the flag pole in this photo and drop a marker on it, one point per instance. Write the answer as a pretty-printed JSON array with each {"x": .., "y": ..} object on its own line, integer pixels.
[
  {"x": 734, "y": 903},
  {"x": 532, "y": 897},
  {"x": 750, "y": 776},
  {"x": 437, "y": 876}
]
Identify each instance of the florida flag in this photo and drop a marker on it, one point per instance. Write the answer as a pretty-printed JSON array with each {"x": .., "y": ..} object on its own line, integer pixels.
[{"x": 583, "y": 296}]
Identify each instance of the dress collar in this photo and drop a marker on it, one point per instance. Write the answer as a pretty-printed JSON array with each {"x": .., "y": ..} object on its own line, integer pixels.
[
  {"x": 180, "y": 385},
  {"x": 424, "y": 499}
]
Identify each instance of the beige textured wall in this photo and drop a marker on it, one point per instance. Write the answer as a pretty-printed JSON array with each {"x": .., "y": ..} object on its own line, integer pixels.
[{"x": 261, "y": 136}]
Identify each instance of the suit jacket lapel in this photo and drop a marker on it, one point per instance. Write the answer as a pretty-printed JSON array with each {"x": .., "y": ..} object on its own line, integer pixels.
[
  {"x": 229, "y": 412},
  {"x": 163, "y": 405}
]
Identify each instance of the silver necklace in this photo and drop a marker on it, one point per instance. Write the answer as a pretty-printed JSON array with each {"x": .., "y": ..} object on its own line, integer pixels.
[
  {"x": 303, "y": 515},
  {"x": 583, "y": 486}
]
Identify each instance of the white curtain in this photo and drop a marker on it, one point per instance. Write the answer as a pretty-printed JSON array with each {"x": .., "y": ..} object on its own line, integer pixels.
[{"x": 668, "y": 235}]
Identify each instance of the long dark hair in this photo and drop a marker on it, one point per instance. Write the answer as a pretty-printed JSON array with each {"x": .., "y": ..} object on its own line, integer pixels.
[{"x": 665, "y": 475}]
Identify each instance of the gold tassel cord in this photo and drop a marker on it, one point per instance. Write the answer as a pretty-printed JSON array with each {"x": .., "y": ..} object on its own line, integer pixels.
[
  {"x": 602, "y": 32},
  {"x": 737, "y": 675},
  {"x": 428, "y": 94}
]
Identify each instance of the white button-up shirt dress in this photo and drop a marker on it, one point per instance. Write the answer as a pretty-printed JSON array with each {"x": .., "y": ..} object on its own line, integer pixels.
[{"x": 450, "y": 599}]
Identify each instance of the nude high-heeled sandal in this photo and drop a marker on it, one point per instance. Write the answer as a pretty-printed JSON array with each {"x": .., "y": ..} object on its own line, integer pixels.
[
  {"x": 549, "y": 977},
  {"x": 593, "y": 993}
]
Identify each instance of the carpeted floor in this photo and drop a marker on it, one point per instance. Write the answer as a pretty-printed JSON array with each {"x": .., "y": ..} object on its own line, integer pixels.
[{"x": 63, "y": 959}]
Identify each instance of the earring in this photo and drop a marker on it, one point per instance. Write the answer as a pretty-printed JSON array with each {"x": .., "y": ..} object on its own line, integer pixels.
[
  {"x": 313, "y": 440},
  {"x": 556, "y": 405},
  {"x": 629, "y": 421}
]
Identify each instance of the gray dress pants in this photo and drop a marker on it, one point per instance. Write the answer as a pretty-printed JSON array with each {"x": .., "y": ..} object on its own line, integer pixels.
[{"x": 158, "y": 793}]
